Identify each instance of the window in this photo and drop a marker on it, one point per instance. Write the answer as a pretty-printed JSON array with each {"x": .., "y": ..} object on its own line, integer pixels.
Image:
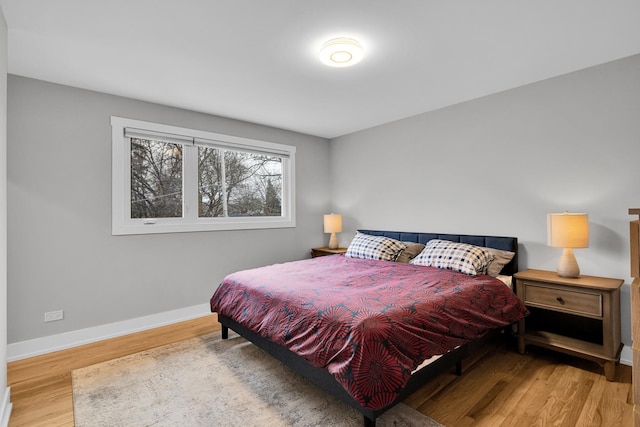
[{"x": 168, "y": 179}]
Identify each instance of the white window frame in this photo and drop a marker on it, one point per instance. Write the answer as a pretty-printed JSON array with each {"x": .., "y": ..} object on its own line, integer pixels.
[{"x": 123, "y": 224}]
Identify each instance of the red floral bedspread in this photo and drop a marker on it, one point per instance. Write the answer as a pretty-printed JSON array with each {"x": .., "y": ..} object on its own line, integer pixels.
[{"x": 369, "y": 323}]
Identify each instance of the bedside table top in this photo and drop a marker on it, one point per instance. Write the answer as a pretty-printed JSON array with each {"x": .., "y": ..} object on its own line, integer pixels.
[
  {"x": 594, "y": 282},
  {"x": 333, "y": 251}
]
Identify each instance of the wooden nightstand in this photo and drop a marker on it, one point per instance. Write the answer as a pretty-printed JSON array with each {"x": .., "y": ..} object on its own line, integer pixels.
[
  {"x": 316, "y": 252},
  {"x": 575, "y": 316}
]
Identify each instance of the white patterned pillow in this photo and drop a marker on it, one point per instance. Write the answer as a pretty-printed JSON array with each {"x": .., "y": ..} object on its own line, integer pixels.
[
  {"x": 374, "y": 247},
  {"x": 462, "y": 257}
]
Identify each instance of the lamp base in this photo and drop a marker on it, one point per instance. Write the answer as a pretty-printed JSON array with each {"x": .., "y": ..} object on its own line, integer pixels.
[
  {"x": 568, "y": 266},
  {"x": 333, "y": 241}
]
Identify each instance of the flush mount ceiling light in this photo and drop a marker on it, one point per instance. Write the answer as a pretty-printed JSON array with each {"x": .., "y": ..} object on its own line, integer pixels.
[{"x": 341, "y": 52}]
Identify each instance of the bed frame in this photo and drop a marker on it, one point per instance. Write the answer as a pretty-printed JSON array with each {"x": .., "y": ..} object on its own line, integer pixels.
[{"x": 323, "y": 379}]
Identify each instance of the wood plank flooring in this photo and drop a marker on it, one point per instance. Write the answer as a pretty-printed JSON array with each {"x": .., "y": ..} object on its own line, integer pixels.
[
  {"x": 41, "y": 386},
  {"x": 541, "y": 388},
  {"x": 498, "y": 388}
]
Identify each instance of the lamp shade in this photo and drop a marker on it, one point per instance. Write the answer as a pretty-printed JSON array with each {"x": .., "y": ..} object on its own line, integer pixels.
[
  {"x": 568, "y": 230},
  {"x": 333, "y": 223}
]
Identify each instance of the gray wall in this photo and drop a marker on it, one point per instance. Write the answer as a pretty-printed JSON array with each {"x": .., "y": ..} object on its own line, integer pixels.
[
  {"x": 3, "y": 205},
  {"x": 499, "y": 164},
  {"x": 61, "y": 252},
  {"x": 496, "y": 165}
]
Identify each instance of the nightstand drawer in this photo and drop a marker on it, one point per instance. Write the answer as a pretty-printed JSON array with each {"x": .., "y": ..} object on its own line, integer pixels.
[{"x": 565, "y": 300}]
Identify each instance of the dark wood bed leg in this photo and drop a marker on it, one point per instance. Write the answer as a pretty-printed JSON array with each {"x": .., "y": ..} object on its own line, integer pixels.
[
  {"x": 368, "y": 422},
  {"x": 225, "y": 332},
  {"x": 458, "y": 368}
]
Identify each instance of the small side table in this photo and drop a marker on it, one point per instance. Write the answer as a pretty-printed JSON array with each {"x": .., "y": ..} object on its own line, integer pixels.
[
  {"x": 324, "y": 251},
  {"x": 578, "y": 316}
]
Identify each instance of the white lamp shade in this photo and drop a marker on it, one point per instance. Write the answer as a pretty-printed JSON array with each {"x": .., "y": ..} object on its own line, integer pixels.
[
  {"x": 333, "y": 223},
  {"x": 568, "y": 230}
]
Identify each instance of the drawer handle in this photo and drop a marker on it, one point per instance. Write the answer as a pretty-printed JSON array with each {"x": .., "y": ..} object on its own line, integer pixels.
[{"x": 560, "y": 300}]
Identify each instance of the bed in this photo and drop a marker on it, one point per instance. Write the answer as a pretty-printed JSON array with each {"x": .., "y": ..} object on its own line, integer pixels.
[{"x": 362, "y": 328}]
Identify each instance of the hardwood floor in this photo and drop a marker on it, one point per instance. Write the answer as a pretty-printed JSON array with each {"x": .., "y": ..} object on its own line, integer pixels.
[
  {"x": 541, "y": 388},
  {"x": 499, "y": 388},
  {"x": 41, "y": 385}
]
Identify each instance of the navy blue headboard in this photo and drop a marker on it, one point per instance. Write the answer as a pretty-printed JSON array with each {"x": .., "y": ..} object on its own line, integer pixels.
[{"x": 496, "y": 242}]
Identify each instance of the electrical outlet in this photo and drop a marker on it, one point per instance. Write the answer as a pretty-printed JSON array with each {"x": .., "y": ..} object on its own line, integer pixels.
[{"x": 52, "y": 316}]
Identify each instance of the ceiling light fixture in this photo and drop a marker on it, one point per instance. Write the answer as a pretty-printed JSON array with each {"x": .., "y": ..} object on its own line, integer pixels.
[{"x": 341, "y": 52}]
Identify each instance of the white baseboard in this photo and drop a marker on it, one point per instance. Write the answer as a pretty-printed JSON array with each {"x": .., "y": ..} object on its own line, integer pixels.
[
  {"x": 626, "y": 355},
  {"x": 38, "y": 346},
  {"x": 5, "y": 408}
]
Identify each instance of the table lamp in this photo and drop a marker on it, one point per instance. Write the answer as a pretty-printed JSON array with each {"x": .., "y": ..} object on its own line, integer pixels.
[
  {"x": 568, "y": 231},
  {"x": 333, "y": 225}
]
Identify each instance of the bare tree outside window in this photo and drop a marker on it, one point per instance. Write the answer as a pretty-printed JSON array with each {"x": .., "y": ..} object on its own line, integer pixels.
[
  {"x": 169, "y": 179},
  {"x": 233, "y": 183},
  {"x": 156, "y": 179}
]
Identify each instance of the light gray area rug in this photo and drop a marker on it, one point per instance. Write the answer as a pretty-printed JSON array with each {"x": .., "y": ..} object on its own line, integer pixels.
[{"x": 208, "y": 381}]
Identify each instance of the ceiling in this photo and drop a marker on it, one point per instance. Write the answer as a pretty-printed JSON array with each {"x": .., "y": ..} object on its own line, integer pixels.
[{"x": 256, "y": 60}]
